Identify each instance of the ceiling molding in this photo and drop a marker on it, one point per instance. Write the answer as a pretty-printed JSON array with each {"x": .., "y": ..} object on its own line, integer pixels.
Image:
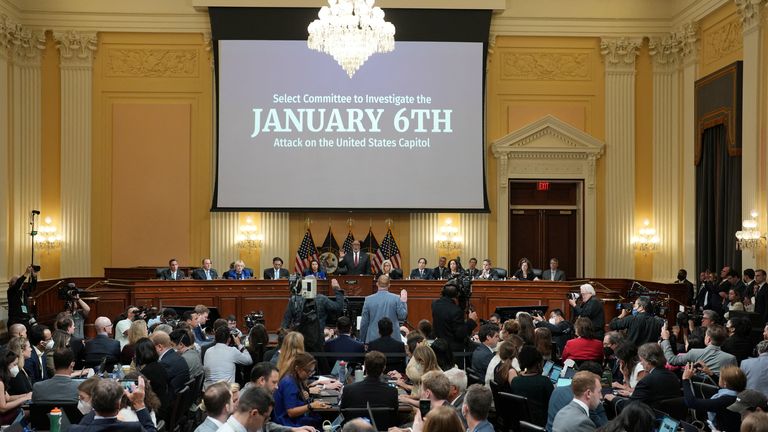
[{"x": 396, "y": 4}]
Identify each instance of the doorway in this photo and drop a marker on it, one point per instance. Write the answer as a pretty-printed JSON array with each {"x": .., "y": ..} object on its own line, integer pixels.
[{"x": 545, "y": 221}]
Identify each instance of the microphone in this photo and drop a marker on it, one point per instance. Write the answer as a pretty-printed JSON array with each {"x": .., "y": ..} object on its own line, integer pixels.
[{"x": 36, "y": 212}]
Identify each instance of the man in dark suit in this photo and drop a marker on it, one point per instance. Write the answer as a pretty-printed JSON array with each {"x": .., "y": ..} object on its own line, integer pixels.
[
  {"x": 658, "y": 384},
  {"x": 60, "y": 388},
  {"x": 422, "y": 272},
  {"x": 472, "y": 270},
  {"x": 574, "y": 417},
  {"x": 105, "y": 399},
  {"x": 277, "y": 271},
  {"x": 344, "y": 342},
  {"x": 102, "y": 346},
  {"x": 761, "y": 295},
  {"x": 67, "y": 325},
  {"x": 561, "y": 329},
  {"x": 355, "y": 262},
  {"x": 372, "y": 390},
  {"x": 441, "y": 271},
  {"x": 386, "y": 344},
  {"x": 173, "y": 272},
  {"x": 488, "y": 273},
  {"x": 553, "y": 273},
  {"x": 448, "y": 319},
  {"x": 35, "y": 366},
  {"x": 591, "y": 307},
  {"x": 489, "y": 337},
  {"x": 205, "y": 272},
  {"x": 176, "y": 367}
]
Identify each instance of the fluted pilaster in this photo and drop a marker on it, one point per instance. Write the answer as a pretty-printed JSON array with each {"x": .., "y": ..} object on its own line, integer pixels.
[
  {"x": 690, "y": 65},
  {"x": 26, "y": 123},
  {"x": 750, "y": 12},
  {"x": 5, "y": 165},
  {"x": 224, "y": 227},
  {"x": 76, "y": 55},
  {"x": 619, "y": 58},
  {"x": 424, "y": 226},
  {"x": 474, "y": 228},
  {"x": 275, "y": 226}
]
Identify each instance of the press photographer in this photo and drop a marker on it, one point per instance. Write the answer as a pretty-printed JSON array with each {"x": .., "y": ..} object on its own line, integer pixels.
[
  {"x": 308, "y": 311},
  {"x": 76, "y": 306},
  {"x": 641, "y": 325},
  {"x": 591, "y": 307},
  {"x": 19, "y": 289},
  {"x": 450, "y": 321}
]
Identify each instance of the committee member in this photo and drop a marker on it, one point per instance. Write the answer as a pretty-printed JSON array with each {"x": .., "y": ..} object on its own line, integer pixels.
[
  {"x": 314, "y": 270},
  {"x": 488, "y": 272},
  {"x": 472, "y": 271},
  {"x": 421, "y": 272},
  {"x": 380, "y": 305},
  {"x": 205, "y": 272},
  {"x": 238, "y": 272},
  {"x": 553, "y": 273},
  {"x": 388, "y": 269},
  {"x": 276, "y": 271},
  {"x": 173, "y": 272},
  {"x": 591, "y": 307},
  {"x": 441, "y": 271},
  {"x": 525, "y": 272},
  {"x": 355, "y": 262}
]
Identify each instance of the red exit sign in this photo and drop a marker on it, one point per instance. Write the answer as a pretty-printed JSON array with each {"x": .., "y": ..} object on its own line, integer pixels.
[{"x": 542, "y": 186}]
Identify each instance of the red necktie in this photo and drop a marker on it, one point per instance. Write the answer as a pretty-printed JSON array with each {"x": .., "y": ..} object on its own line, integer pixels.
[{"x": 355, "y": 258}]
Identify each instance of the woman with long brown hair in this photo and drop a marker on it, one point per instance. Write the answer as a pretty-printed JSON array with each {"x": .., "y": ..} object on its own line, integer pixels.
[
  {"x": 292, "y": 400},
  {"x": 292, "y": 345},
  {"x": 505, "y": 371}
]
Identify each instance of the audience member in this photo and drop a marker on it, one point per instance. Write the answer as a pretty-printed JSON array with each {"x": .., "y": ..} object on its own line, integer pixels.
[
  {"x": 102, "y": 348},
  {"x": 587, "y": 345},
  {"x": 218, "y": 407},
  {"x": 508, "y": 366},
  {"x": 711, "y": 356},
  {"x": 423, "y": 361},
  {"x": 293, "y": 343},
  {"x": 756, "y": 369},
  {"x": 441, "y": 419},
  {"x": 184, "y": 344},
  {"x": 387, "y": 345},
  {"x": 738, "y": 343},
  {"x": 631, "y": 368},
  {"x": 344, "y": 342},
  {"x": 10, "y": 404},
  {"x": 60, "y": 388},
  {"x": 65, "y": 336},
  {"x": 732, "y": 381},
  {"x": 21, "y": 383},
  {"x": 175, "y": 366},
  {"x": 380, "y": 305},
  {"x": 659, "y": 383},
  {"x": 475, "y": 409},
  {"x": 252, "y": 412},
  {"x": 358, "y": 425},
  {"x": 443, "y": 354},
  {"x": 84, "y": 391},
  {"x": 481, "y": 357},
  {"x": 458, "y": 380},
  {"x": 611, "y": 342},
  {"x": 636, "y": 417},
  {"x": 542, "y": 340},
  {"x": 105, "y": 400},
  {"x": 748, "y": 402},
  {"x": 525, "y": 320},
  {"x": 373, "y": 391},
  {"x": 151, "y": 401},
  {"x": 426, "y": 329},
  {"x": 756, "y": 422},
  {"x": 563, "y": 395},
  {"x": 122, "y": 326},
  {"x": 293, "y": 406},
  {"x": 148, "y": 364},
  {"x": 531, "y": 384},
  {"x": 575, "y": 417},
  {"x": 35, "y": 365},
  {"x": 220, "y": 360},
  {"x": 136, "y": 331}
]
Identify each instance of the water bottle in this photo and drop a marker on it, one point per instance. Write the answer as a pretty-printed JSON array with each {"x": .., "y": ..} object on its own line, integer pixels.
[
  {"x": 55, "y": 417},
  {"x": 343, "y": 372}
]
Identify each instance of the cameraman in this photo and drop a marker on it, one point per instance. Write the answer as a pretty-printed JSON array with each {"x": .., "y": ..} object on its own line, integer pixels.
[
  {"x": 221, "y": 359},
  {"x": 640, "y": 324},
  {"x": 591, "y": 307},
  {"x": 18, "y": 298},
  {"x": 77, "y": 308},
  {"x": 448, "y": 318},
  {"x": 308, "y": 316}
]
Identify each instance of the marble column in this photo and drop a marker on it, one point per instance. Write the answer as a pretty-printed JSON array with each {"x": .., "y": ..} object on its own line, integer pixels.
[
  {"x": 275, "y": 226},
  {"x": 224, "y": 229},
  {"x": 474, "y": 228},
  {"x": 26, "y": 140},
  {"x": 619, "y": 58},
  {"x": 76, "y": 52},
  {"x": 750, "y": 12},
  {"x": 424, "y": 226}
]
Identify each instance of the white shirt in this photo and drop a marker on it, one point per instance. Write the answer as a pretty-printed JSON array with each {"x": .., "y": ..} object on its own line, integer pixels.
[
  {"x": 582, "y": 405},
  {"x": 219, "y": 363},
  {"x": 231, "y": 425}
]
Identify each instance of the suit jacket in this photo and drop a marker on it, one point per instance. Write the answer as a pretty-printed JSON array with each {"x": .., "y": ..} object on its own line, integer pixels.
[
  {"x": 58, "y": 389},
  {"x": 593, "y": 309},
  {"x": 492, "y": 275},
  {"x": 440, "y": 273},
  {"x": 761, "y": 302},
  {"x": 166, "y": 274},
  {"x": 207, "y": 426},
  {"x": 99, "y": 347},
  {"x": 480, "y": 359},
  {"x": 387, "y": 345},
  {"x": 656, "y": 386},
  {"x": 199, "y": 274},
  {"x": 34, "y": 371},
  {"x": 377, "y": 306},
  {"x": 177, "y": 369},
  {"x": 572, "y": 418},
  {"x": 473, "y": 273},
  {"x": 448, "y": 323},
  {"x": 347, "y": 264},
  {"x": 378, "y": 394},
  {"x": 270, "y": 273},
  {"x": 344, "y": 344},
  {"x": 711, "y": 355},
  {"x": 416, "y": 274},
  {"x": 547, "y": 275},
  {"x": 77, "y": 345},
  {"x": 231, "y": 274},
  {"x": 320, "y": 275},
  {"x": 158, "y": 379},
  {"x": 113, "y": 425}
]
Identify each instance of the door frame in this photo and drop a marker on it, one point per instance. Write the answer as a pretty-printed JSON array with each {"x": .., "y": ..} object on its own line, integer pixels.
[{"x": 552, "y": 149}]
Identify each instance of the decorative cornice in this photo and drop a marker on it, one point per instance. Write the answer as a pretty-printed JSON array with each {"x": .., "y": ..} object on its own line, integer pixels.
[
  {"x": 24, "y": 45},
  {"x": 620, "y": 53},
  {"x": 750, "y": 13},
  {"x": 670, "y": 51},
  {"x": 571, "y": 143},
  {"x": 76, "y": 48}
]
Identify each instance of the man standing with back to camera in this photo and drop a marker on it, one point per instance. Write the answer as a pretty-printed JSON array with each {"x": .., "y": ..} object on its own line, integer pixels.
[{"x": 448, "y": 318}]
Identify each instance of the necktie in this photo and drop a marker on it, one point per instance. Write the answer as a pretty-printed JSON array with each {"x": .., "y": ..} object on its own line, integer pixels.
[
  {"x": 277, "y": 273},
  {"x": 553, "y": 276},
  {"x": 207, "y": 275},
  {"x": 173, "y": 275},
  {"x": 422, "y": 274},
  {"x": 356, "y": 259}
]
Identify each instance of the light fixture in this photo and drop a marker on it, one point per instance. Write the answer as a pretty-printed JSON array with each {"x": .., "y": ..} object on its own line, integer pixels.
[
  {"x": 350, "y": 31},
  {"x": 749, "y": 237},
  {"x": 646, "y": 241},
  {"x": 449, "y": 237},
  {"x": 249, "y": 238},
  {"x": 47, "y": 239}
]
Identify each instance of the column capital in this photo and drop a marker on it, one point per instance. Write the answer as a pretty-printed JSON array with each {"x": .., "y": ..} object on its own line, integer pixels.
[
  {"x": 76, "y": 48},
  {"x": 669, "y": 52},
  {"x": 750, "y": 12},
  {"x": 23, "y": 45},
  {"x": 620, "y": 53}
]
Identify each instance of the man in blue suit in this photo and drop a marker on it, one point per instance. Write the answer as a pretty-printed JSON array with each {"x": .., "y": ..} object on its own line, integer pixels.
[
  {"x": 344, "y": 342},
  {"x": 380, "y": 305},
  {"x": 239, "y": 272},
  {"x": 422, "y": 272},
  {"x": 35, "y": 366}
]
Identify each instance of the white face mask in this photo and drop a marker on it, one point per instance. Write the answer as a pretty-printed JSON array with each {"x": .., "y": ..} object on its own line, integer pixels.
[
  {"x": 49, "y": 344},
  {"x": 14, "y": 371},
  {"x": 553, "y": 320},
  {"x": 83, "y": 406}
]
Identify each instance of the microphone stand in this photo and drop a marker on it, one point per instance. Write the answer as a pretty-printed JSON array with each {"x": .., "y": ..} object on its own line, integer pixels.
[{"x": 33, "y": 232}]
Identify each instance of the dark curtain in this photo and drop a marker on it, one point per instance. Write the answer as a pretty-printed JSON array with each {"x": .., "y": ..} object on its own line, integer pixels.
[{"x": 718, "y": 203}]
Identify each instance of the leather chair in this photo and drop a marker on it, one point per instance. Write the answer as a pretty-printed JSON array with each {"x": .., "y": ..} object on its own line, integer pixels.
[{"x": 502, "y": 273}]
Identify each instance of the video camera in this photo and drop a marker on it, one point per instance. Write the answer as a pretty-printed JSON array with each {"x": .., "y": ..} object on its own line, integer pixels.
[
  {"x": 304, "y": 287},
  {"x": 463, "y": 284},
  {"x": 70, "y": 292},
  {"x": 254, "y": 318}
]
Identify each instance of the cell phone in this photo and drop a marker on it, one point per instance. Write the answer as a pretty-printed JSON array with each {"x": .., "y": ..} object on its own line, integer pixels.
[
  {"x": 127, "y": 384},
  {"x": 36, "y": 268},
  {"x": 424, "y": 407}
]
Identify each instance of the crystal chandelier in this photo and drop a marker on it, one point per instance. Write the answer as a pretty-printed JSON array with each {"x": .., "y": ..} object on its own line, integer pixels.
[
  {"x": 647, "y": 240},
  {"x": 749, "y": 237},
  {"x": 350, "y": 31}
]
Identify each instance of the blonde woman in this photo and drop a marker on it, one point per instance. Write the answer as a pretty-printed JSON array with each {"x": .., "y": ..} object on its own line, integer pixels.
[
  {"x": 136, "y": 331},
  {"x": 21, "y": 383},
  {"x": 388, "y": 269},
  {"x": 292, "y": 344},
  {"x": 424, "y": 360}
]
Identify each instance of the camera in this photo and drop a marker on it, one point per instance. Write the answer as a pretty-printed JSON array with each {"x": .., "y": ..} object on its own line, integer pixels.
[
  {"x": 688, "y": 313},
  {"x": 254, "y": 318},
  {"x": 70, "y": 292},
  {"x": 573, "y": 296},
  {"x": 624, "y": 306},
  {"x": 463, "y": 284}
]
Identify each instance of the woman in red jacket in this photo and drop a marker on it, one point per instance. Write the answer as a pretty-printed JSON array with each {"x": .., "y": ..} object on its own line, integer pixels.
[{"x": 585, "y": 346}]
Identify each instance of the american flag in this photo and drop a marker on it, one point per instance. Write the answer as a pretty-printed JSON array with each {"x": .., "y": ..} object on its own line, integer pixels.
[
  {"x": 388, "y": 251},
  {"x": 330, "y": 244},
  {"x": 347, "y": 246},
  {"x": 371, "y": 246},
  {"x": 306, "y": 253}
]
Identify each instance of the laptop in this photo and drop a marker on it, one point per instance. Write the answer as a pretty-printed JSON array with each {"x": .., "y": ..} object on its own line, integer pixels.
[
  {"x": 547, "y": 367},
  {"x": 668, "y": 424},
  {"x": 564, "y": 382}
]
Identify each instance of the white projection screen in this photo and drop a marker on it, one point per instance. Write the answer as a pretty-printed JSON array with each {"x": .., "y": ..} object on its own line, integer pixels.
[{"x": 295, "y": 132}]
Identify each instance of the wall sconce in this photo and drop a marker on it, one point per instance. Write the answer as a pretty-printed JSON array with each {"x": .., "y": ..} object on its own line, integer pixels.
[
  {"x": 647, "y": 240},
  {"x": 249, "y": 238},
  {"x": 449, "y": 237},
  {"x": 750, "y": 237},
  {"x": 47, "y": 239}
]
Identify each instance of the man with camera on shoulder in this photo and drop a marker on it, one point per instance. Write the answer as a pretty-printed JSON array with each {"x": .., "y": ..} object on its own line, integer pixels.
[
  {"x": 450, "y": 321},
  {"x": 77, "y": 308},
  {"x": 641, "y": 325},
  {"x": 308, "y": 312},
  {"x": 19, "y": 289}
]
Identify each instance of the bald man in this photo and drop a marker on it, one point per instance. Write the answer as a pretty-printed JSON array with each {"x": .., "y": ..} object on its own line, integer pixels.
[
  {"x": 355, "y": 262},
  {"x": 102, "y": 346}
]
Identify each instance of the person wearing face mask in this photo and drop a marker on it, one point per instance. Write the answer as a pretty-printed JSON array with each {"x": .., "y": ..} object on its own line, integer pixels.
[
  {"x": 640, "y": 324},
  {"x": 10, "y": 405},
  {"x": 561, "y": 329},
  {"x": 106, "y": 399},
  {"x": 40, "y": 339},
  {"x": 84, "y": 391}
]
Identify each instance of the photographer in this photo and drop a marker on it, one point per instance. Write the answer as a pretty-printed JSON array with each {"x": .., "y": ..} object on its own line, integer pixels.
[
  {"x": 641, "y": 325},
  {"x": 561, "y": 329},
  {"x": 122, "y": 326},
  {"x": 308, "y": 315},
  {"x": 221, "y": 359},
  {"x": 19, "y": 289},
  {"x": 448, "y": 319},
  {"x": 591, "y": 307},
  {"x": 77, "y": 308}
]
